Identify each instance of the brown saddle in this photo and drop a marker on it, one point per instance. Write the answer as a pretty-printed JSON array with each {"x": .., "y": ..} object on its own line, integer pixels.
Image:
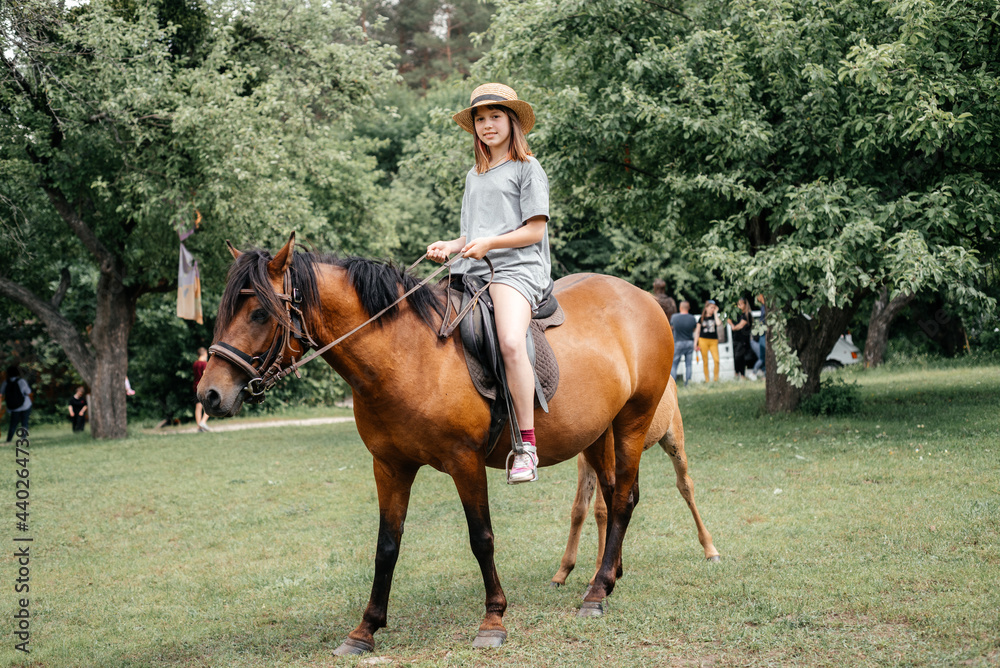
[{"x": 482, "y": 352}]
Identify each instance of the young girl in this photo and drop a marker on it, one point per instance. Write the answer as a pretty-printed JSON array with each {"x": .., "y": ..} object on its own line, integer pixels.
[
  {"x": 706, "y": 337},
  {"x": 504, "y": 214}
]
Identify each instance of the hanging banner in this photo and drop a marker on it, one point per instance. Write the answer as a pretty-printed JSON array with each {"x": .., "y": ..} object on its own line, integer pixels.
[{"x": 188, "y": 288}]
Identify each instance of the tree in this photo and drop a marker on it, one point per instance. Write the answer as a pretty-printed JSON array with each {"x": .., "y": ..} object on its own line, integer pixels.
[
  {"x": 122, "y": 121},
  {"x": 821, "y": 152},
  {"x": 434, "y": 38}
]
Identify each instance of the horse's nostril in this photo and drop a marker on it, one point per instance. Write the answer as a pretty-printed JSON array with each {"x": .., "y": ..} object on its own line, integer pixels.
[{"x": 212, "y": 399}]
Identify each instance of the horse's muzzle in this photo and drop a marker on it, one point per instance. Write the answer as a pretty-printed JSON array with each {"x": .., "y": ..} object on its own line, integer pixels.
[{"x": 217, "y": 406}]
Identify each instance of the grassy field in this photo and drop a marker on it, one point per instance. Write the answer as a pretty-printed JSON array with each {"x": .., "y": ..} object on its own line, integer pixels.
[{"x": 868, "y": 541}]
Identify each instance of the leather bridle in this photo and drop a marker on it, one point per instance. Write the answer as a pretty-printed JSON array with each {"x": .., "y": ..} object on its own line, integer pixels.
[{"x": 267, "y": 369}]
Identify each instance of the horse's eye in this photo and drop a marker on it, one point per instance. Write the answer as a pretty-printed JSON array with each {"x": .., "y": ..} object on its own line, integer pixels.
[{"x": 259, "y": 315}]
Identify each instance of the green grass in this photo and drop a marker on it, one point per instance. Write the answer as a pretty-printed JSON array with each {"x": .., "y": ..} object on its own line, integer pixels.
[
  {"x": 252, "y": 413},
  {"x": 255, "y": 548}
]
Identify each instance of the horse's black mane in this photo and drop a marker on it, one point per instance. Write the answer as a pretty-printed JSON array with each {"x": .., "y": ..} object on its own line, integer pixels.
[{"x": 377, "y": 282}]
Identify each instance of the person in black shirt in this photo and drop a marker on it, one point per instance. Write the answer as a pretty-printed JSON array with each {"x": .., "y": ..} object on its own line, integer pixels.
[
  {"x": 78, "y": 410},
  {"x": 743, "y": 355}
]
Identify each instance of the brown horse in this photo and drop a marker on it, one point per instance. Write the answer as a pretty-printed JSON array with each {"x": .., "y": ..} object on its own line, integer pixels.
[
  {"x": 667, "y": 430},
  {"x": 415, "y": 404}
]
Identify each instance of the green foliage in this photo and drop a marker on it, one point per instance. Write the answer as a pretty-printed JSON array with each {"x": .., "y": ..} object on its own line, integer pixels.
[
  {"x": 253, "y": 130},
  {"x": 434, "y": 39},
  {"x": 124, "y": 121},
  {"x": 815, "y": 151},
  {"x": 989, "y": 340},
  {"x": 163, "y": 348},
  {"x": 430, "y": 171},
  {"x": 835, "y": 397}
]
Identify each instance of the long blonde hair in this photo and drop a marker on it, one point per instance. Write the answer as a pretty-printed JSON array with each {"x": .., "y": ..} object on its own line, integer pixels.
[{"x": 517, "y": 148}]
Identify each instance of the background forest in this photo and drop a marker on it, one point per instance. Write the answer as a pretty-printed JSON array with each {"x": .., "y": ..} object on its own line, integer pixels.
[{"x": 838, "y": 158}]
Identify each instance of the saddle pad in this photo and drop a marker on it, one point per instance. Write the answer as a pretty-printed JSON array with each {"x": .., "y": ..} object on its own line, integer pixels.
[{"x": 546, "y": 367}]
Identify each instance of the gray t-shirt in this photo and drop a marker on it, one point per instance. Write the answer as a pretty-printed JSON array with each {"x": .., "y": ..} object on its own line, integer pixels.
[
  {"x": 683, "y": 324},
  {"x": 500, "y": 201}
]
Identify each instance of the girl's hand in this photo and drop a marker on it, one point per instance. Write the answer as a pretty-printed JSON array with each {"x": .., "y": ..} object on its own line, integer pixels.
[
  {"x": 439, "y": 251},
  {"x": 477, "y": 248}
]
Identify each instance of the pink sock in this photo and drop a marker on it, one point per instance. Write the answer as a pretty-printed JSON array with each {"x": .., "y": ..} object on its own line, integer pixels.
[{"x": 528, "y": 436}]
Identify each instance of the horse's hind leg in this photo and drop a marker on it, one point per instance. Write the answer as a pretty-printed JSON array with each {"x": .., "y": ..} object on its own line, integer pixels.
[
  {"x": 393, "y": 485},
  {"x": 673, "y": 444},
  {"x": 586, "y": 483}
]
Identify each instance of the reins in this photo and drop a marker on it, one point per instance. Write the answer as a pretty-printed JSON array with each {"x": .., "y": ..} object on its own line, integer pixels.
[{"x": 271, "y": 363}]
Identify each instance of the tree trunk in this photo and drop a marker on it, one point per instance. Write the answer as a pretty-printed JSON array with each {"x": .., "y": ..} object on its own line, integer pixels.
[
  {"x": 112, "y": 326},
  {"x": 811, "y": 340},
  {"x": 884, "y": 311}
]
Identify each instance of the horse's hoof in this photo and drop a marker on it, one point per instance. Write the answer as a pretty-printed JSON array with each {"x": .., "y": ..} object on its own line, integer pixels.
[
  {"x": 591, "y": 609},
  {"x": 556, "y": 585},
  {"x": 351, "y": 647},
  {"x": 716, "y": 559},
  {"x": 489, "y": 638}
]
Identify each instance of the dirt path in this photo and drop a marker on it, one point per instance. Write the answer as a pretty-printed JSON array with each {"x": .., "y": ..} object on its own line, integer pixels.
[{"x": 234, "y": 425}]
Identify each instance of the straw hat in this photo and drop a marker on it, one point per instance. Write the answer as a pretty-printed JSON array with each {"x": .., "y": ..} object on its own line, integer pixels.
[{"x": 495, "y": 94}]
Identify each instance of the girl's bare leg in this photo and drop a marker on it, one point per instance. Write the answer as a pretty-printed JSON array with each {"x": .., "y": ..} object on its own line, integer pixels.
[{"x": 513, "y": 314}]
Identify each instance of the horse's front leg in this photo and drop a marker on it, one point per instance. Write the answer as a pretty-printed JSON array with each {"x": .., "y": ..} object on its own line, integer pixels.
[
  {"x": 623, "y": 498},
  {"x": 393, "y": 483},
  {"x": 469, "y": 474}
]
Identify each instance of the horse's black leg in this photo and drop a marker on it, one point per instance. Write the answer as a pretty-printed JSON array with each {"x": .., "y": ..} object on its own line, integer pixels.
[
  {"x": 628, "y": 451},
  {"x": 470, "y": 480},
  {"x": 601, "y": 457},
  {"x": 394, "y": 485}
]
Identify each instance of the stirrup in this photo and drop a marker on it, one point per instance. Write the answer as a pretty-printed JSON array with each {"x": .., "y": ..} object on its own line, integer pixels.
[{"x": 531, "y": 452}]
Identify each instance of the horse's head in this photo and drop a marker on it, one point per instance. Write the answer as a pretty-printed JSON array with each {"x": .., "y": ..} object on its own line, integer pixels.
[{"x": 251, "y": 332}]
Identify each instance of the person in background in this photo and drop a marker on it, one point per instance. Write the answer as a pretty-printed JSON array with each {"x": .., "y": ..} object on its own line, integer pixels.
[
  {"x": 16, "y": 395},
  {"x": 760, "y": 367},
  {"x": 78, "y": 409},
  {"x": 706, "y": 337},
  {"x": 683, "y": 324},
  {"x": 742, "y": 352},
  {"x": 199, "y": 370},
  {"x": 668, "y": 304}
]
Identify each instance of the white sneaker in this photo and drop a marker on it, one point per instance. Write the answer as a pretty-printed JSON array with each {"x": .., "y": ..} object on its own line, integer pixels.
[{"x": 524, "y": 467}]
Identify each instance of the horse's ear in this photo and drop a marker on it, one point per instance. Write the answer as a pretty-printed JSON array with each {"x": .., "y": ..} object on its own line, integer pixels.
[
  {"x": 232, "y": 250},
  {"x": 283, "y": 259}
]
